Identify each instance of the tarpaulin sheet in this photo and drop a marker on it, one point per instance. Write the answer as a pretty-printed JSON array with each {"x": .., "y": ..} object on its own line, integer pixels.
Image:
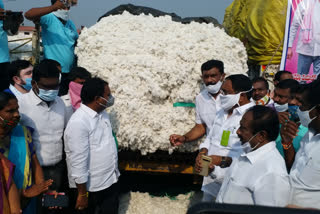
[{"x": 260, "y": 25}]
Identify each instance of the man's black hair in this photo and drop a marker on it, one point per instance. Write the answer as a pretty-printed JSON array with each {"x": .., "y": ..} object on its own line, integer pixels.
[
  {"x": 278, "y": 75},
  {"x": 213, "y": 64},
  {"x": 5, "y": 98},
  {"x": 45, "y": 69},
  {"x": 261, "y": 79},
  {"x": 79, "y": 72},
  {"x": 15, "y": 67},
  {"x": 265, "y": 119},
  {"x": 241, "y": 83},
  {"x": 92, "y": 88},
  {"x": 52, "y": 61},
  {"x": 53, "y": 2},
  {"x": 291, "y": 84},
  {"x": 313, "y": 92}
]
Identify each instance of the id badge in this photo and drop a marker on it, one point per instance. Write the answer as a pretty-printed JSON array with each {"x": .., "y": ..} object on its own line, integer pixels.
[{"x": 225, "y": 138}]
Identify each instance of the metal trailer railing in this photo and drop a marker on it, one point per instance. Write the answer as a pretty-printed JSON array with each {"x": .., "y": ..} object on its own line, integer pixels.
[{"x": 35, "y": 40}]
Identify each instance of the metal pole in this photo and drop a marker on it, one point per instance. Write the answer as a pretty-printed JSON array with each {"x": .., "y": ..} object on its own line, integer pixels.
[{"x": 36, "y": 45}]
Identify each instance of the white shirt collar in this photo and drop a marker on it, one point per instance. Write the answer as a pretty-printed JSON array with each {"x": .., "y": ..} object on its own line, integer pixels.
[
  {"x": 35, "y": 98},
  {"x": 15, "y": 91},
  {"x": 259, "y": 153},
  {"x": 312, "y": 135},
  {"x": 244, "y": 108},
  {"x": 88, "y": 110}
]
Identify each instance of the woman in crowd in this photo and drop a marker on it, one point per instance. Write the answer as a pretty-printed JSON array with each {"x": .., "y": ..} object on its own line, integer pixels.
[
  {"x": 16, "y": 145},
  {"x": 9, "y": 196}
]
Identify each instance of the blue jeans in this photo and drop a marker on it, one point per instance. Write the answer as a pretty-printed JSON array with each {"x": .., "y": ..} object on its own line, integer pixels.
[{"x": 304, "y": 64}]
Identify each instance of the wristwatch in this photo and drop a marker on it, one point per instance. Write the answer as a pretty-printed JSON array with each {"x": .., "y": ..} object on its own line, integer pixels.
[{"x": 223, "y": 163}]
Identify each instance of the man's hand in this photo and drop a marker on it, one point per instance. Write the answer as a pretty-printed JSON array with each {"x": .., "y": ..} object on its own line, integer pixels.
[
  {"x": 58, "y": 5},
  {"x": 289, "y": 53},
  {"x": 283, "y": 117},
  {"x": 289, "y": 131},
  {"x": 177, "y": 140},
  {"x": 82, "y": 202},
  {"x": 37, "y": 189},
  {"x": 198, "y": 165},
  {"x": 216, "y": 161}
]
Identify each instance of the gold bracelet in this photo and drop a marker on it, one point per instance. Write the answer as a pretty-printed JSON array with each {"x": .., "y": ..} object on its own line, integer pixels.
[{"x": 85, "y": 195}]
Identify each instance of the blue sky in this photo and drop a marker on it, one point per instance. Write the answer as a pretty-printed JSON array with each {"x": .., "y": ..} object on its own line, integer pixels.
[{"x": 87, "y": 12}]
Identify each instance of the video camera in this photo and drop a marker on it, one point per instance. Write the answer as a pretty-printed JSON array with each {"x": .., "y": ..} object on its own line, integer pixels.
[{"x": 12, "y": 22}]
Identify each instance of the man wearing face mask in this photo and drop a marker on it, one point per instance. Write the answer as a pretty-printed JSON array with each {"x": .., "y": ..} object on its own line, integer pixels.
[
  {"x": 282, "y": 96},
  {"x": 261, "y": 92},
  {"x": 258, "y": 177},
  {"x": 42, "y": 110},
  {"x": 72, "y": 99},
  {"x": 223, "y": 143},
  {"x": 91, "y": 150},
  {"x": 58, "y": 32},
  {"x": 293, "y": 105},
  {"x": 207, "y": 103},
  {"x": 20, "y": 75},
  {"x": 304, "y": 164}
]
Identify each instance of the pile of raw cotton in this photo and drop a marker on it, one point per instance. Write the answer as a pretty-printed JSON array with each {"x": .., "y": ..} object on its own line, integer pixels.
[
  {"x": 152, "y": 63},
  {"x": 142, "y": 203}
]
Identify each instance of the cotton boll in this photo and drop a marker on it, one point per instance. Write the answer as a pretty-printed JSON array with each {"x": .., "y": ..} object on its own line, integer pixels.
[{"x": 151, "y": 63}]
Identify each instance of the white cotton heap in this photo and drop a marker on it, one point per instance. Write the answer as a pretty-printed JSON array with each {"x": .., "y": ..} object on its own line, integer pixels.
[
  {"x": 150, "y": 64},
  {"x": 142, "y": 203}
]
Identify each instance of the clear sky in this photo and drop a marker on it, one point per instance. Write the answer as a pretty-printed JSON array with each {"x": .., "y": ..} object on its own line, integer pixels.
[{"x": 87, "y": 12}]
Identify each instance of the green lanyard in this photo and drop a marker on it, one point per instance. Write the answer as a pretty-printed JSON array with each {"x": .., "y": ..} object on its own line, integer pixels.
[{"x": 115, "y": 139}]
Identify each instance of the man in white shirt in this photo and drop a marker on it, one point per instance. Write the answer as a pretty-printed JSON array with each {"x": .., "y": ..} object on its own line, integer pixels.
[
  {"x": 91, "y": 150},
  {"x": 222, "y": 141},
  {"x": 305, "y": 170},
  {"x": 258, "y": 177},
  {"x": 207, "y": 103},
  {"x": 42, "y": 110},
  {"x": 20, "y": 75},
  {"x": 306, "y": 17}
]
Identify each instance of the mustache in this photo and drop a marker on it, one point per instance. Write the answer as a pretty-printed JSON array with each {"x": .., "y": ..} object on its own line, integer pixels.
[{"x": 211, "y": 83}]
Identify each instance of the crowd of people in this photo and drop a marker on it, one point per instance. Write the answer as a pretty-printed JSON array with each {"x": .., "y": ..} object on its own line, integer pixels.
[
  {"x": 262, "y": 144},
  {"x": 56, "y": 137}
]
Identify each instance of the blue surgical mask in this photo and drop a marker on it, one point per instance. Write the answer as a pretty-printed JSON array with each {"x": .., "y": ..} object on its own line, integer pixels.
[
  {"x": 48, "y": 95},
  {"x": 110, "y": 102},
  {"x": 28, "y": 85}
]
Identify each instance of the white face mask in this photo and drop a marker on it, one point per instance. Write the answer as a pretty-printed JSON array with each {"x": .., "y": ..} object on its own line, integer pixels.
[
  {"x": 247, "y": 145},
  {"x": 304, "y": 117},
  {"x": 230, "y": 100},
  {"x": 281, "y": 108},
  {"x": 213, "y": 89},
  {"x": 62, "y": 14}
]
